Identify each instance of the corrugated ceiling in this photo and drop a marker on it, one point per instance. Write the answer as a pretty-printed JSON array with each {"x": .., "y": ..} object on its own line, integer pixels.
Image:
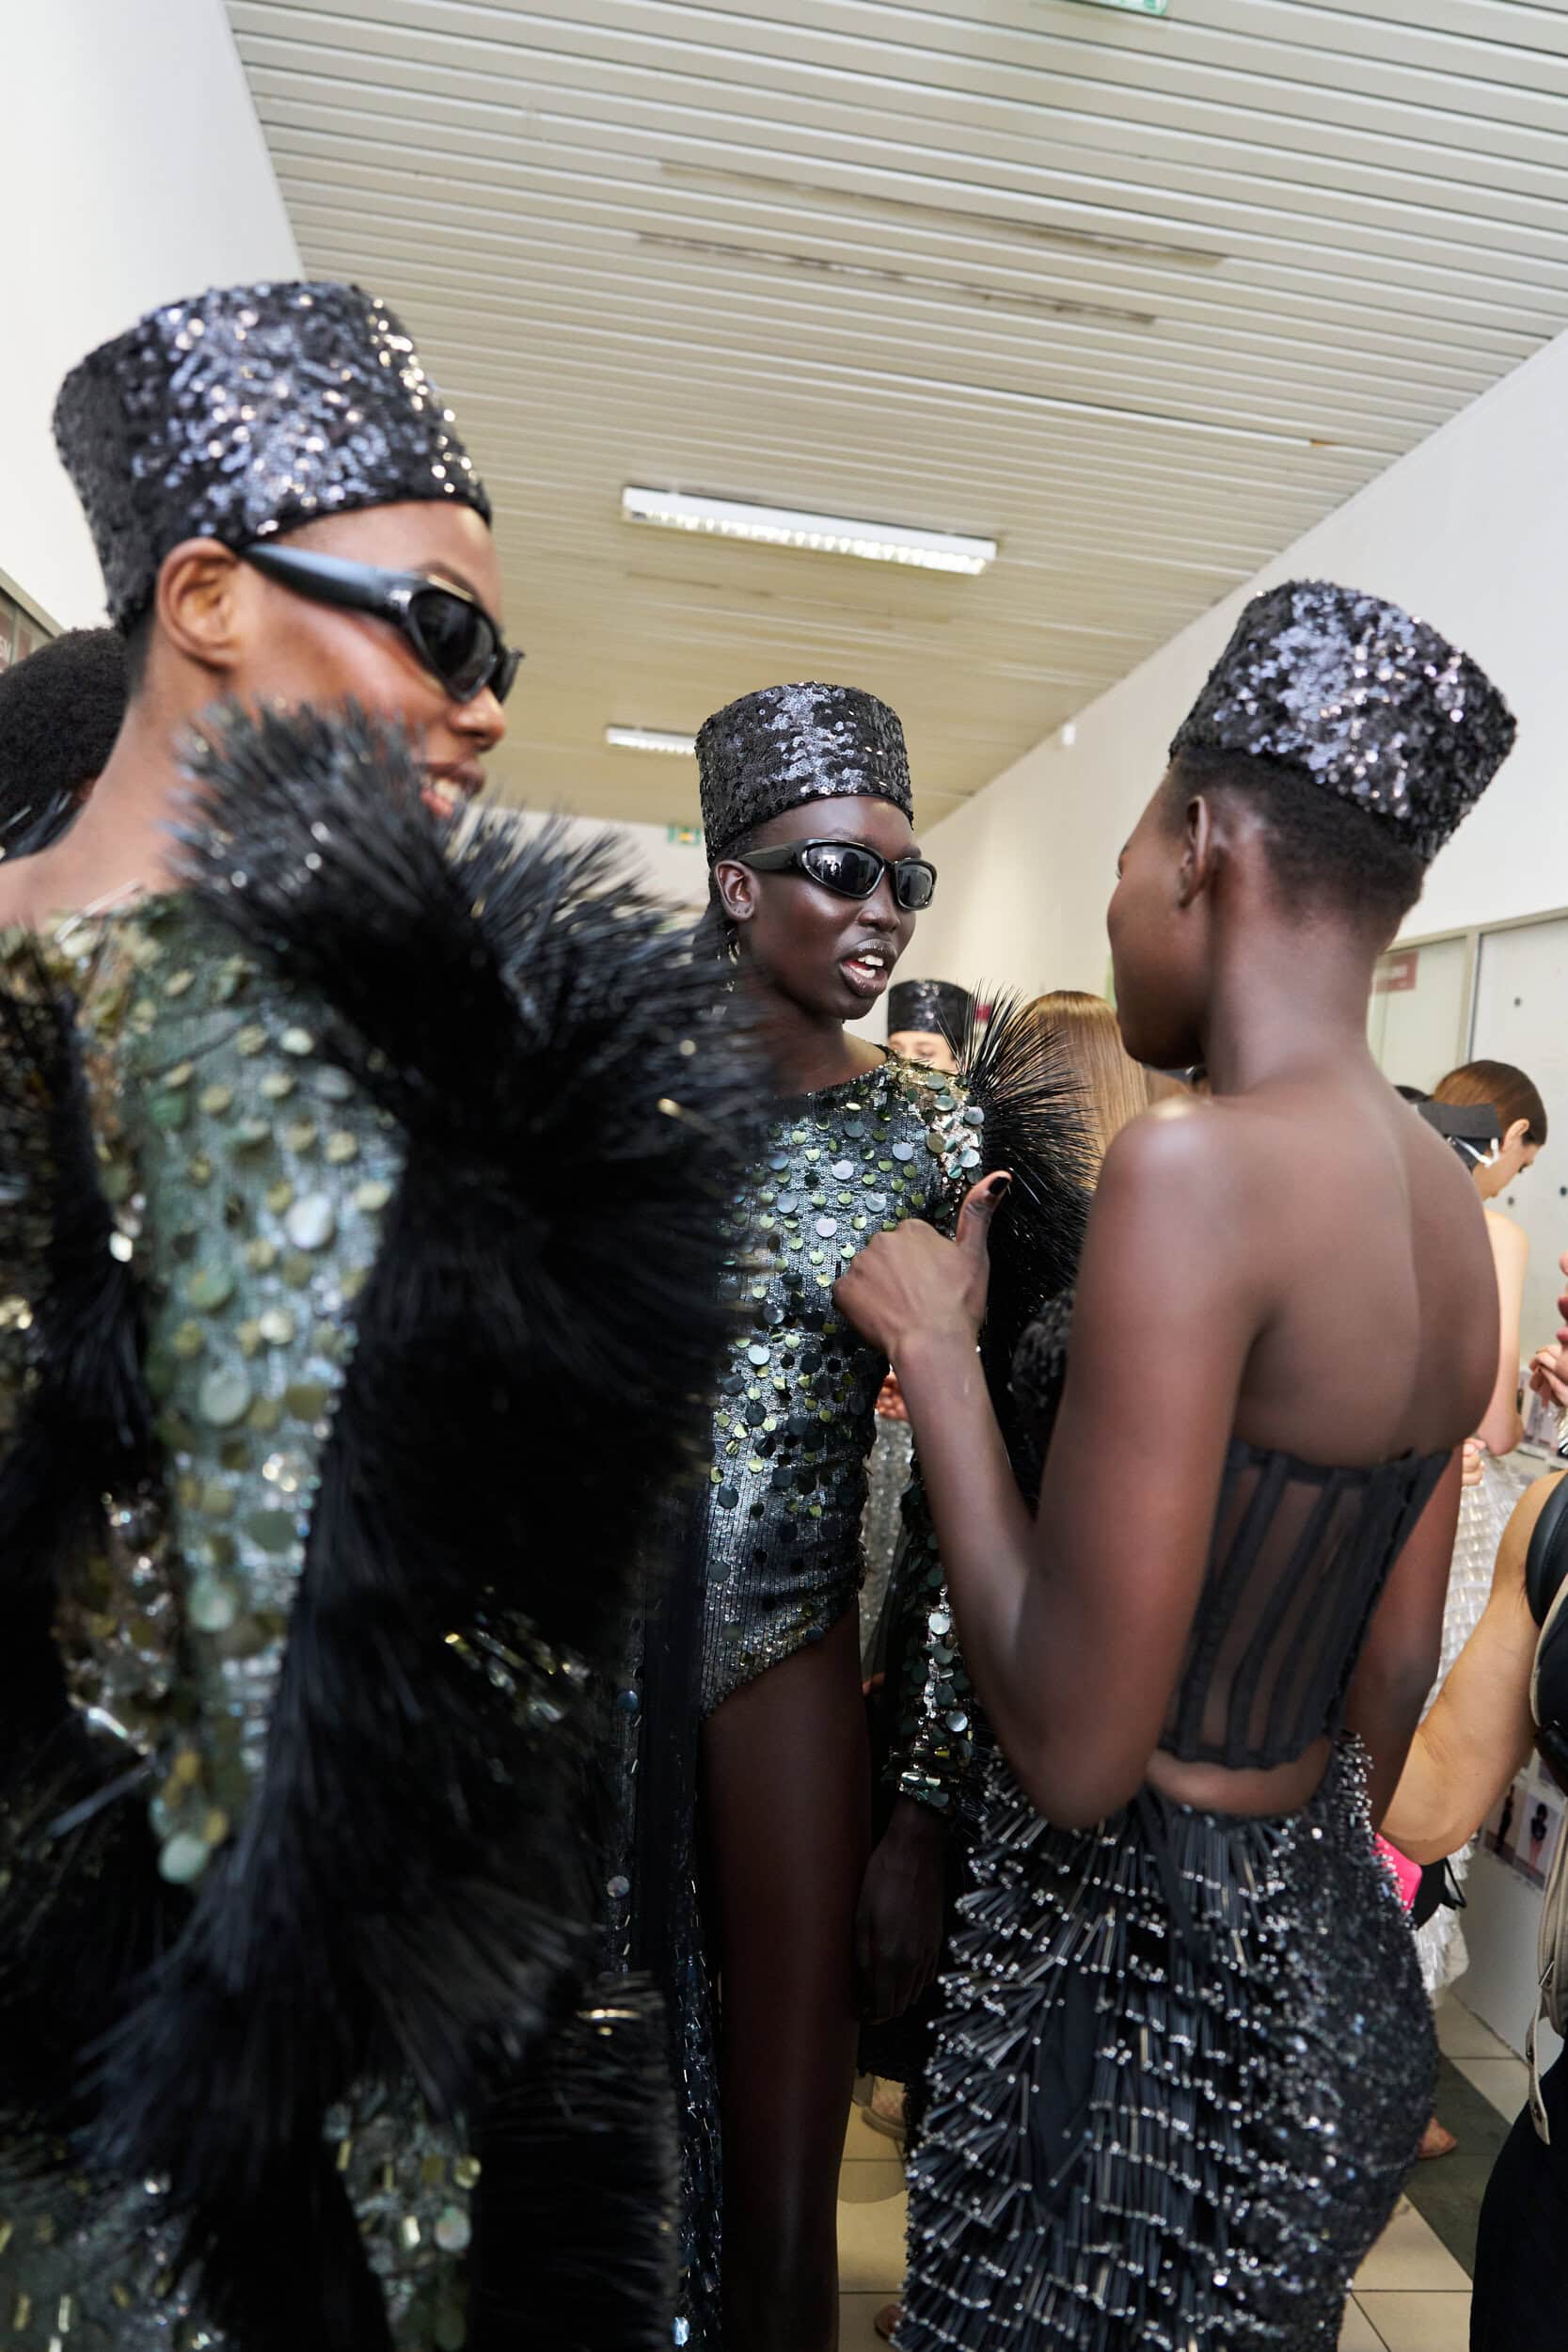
[{"x": 1140, "y": 297}]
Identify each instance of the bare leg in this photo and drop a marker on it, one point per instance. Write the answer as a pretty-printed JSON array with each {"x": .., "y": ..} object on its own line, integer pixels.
[{"x": 787, "y": 1807}]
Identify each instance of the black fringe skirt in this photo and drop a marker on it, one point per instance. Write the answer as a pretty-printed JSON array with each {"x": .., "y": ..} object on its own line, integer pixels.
[{"x": 1183, "y": 2071}]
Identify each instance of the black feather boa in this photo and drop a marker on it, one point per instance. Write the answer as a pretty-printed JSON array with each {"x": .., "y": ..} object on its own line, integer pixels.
[
  {"x": 1017, "y": 1070},
  {"x": 414, "y": 1888}
]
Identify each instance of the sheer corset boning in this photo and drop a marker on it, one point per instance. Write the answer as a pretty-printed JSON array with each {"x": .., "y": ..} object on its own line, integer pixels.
[{"x": 1299, "y": 1560}]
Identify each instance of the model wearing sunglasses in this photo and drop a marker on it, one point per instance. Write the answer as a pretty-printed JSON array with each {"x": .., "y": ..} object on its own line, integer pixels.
[
  {"x": 447, "y": 630},
  {"x": 850, "y": 869}
]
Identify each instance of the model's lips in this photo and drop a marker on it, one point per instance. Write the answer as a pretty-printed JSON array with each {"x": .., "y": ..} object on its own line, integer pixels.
[
  {"x": 447, "y": 788},
  {"x": 867, "y": 970}
]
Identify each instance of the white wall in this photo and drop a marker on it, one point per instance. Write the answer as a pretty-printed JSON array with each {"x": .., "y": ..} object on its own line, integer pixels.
[
  {"x": 1471, "y": 532},
  {"x": 135, "y": 171}
]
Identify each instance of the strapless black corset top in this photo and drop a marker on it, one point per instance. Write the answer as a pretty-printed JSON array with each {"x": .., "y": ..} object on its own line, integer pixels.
[{"x": 1298, "y": 1562}]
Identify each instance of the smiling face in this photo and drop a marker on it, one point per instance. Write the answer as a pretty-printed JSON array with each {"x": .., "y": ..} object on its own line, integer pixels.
[
  {"x": 831, "y": 956},
  {"x": 271, "y": 645}
]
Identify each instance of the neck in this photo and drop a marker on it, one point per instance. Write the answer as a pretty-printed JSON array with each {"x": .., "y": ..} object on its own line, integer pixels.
[
  {"x": 1287, "y": 1004},
  {"x": 806, "y": 1050}
]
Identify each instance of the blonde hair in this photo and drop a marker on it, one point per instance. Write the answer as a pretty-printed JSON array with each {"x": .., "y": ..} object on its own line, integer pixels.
[{"x": 1113, "y": 1087}]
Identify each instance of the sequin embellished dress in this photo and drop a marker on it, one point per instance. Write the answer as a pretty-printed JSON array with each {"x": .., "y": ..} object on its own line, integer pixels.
[
  {"x": 796, "y": 1417},
  {"x": 1186, "y": 2058},
  {"x": 300, "y": 1712}
]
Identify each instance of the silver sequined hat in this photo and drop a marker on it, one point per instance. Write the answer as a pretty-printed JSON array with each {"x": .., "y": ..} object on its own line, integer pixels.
[
  {"x": 1366, "y": 701},
  {"x": 242, "y": 413},
  {"x": 785, "y": 745}
]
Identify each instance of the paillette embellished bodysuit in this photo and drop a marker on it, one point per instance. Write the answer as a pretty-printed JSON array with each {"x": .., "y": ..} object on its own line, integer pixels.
[{"x": 305, "y": 1176}]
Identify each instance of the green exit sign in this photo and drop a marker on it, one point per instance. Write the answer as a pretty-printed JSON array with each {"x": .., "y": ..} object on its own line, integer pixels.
[{"x": 685, "y": 837}]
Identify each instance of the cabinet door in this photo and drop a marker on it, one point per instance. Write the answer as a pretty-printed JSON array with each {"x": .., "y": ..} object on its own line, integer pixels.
[
  {"x": 1417, "y": 1018},
  {"x": 1522, "y": 1016}
]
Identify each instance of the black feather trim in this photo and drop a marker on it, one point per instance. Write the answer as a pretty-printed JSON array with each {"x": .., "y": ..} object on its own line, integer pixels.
[
  {"x": 581, "y": 2161},
  {"x": 415, "y": 1886},
  {"x": 1016, "y": 1069}
]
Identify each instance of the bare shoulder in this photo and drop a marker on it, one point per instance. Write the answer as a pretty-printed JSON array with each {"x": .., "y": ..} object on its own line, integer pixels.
[{"x": 1190, "y": 1149}]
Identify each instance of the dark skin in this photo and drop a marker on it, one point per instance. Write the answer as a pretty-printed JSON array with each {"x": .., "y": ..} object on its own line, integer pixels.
[
  {"x": 810, "y": 1932},
  {"x": 1309, "y": 1260},
  {"x": 221, "y": 630}
]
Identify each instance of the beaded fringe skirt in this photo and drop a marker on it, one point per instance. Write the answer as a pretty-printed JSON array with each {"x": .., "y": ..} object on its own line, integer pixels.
[{"x": 1183, "y": 2071}]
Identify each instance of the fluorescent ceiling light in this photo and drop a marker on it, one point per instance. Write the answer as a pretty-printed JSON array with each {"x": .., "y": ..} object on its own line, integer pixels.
[
  {"x": 787, "y": 527},
  {"x": 651, "y": 740},
  {"x": 1136, "y": 7}
]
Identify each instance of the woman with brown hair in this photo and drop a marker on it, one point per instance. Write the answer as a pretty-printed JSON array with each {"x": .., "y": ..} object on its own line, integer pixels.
[{"x": 1112, "y": 1090}]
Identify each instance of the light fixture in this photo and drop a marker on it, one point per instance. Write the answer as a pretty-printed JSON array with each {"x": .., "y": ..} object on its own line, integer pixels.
[
  {"x": 1135, "y": 7},
  {"x": 651, "y": 740},
  {"x": 787, "y": 527},
  {"x": 1070, "y": 735}
]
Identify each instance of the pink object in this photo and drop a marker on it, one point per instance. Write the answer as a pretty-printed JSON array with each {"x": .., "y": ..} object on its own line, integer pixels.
[{"x": 1406, "y": 1874}]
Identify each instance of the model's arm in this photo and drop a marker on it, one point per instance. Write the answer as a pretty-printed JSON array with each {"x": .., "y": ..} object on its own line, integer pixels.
[
  {"x": 1075, "y": 1624},
  {"x": 1399, "y": 1657},
  {"x": 1502, "y": 1428},
  {"x": 1479, "y": 1732}
]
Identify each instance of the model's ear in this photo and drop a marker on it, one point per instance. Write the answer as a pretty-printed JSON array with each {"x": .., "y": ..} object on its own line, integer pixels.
[{"x": 201, "y": 603}]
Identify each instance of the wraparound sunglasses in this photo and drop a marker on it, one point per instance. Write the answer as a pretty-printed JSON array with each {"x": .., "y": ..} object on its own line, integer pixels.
[
  {"x": 447, "y": 630},
  {"x": 850, "y": 869}
]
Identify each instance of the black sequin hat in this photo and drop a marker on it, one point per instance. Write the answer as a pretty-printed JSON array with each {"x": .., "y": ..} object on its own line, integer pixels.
[
  {"x": 1366, "y": 701},
  {"x": 940, "y": 1007},
  {"x": 243, "y": 413},
  {"x": 787, "y": 744}
]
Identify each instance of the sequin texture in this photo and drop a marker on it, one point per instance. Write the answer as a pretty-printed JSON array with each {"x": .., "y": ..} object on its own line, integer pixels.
[
  {"x": 246, "y": 412},
  {"x": 1181, "y": 2139},
  {"x": 796, "y": 1414},
  {"x": 787, "y": 745},
  {"x": 1370, "y": 702},
  {"x": 940, "y": 1007}
]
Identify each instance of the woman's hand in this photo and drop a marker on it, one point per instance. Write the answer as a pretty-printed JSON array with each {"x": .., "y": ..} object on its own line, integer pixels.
[
  {"x": 890, "y": 1400},
  {"x": 910, "y": 1280},
  {"x": 898, "y": 1920},
  {"x": 1471, "y": 1473}
]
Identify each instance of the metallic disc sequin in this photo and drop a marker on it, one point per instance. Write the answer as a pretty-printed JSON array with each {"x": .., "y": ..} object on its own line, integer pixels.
[
  {"x": 786, "y": 745},
  {"x": 246, "y": 412},
  {"x": 1367, "y": 702}
]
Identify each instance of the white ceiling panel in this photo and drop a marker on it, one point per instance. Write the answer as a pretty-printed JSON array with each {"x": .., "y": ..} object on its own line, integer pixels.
[{"x": 1141, "y": 299}]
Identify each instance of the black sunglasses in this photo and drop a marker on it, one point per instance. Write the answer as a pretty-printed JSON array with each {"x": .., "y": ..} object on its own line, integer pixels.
[
  {"x": 448, "y": 631},
  {"x": 849, "y": 869}
]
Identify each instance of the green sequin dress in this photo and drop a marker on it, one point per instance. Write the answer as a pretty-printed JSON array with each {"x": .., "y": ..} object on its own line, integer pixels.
[
  {"x": 250, "y": 1178},
  {"x": 347, "y": 1198},
  {"x": 796, "y": 1417}
]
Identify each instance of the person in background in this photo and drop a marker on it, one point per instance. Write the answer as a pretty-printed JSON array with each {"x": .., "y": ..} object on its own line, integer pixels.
[
  {"x": 1485, "y": 1505},
  {"x": 926, "y": 1021},
  {"x": 1113, "y": 1089},
  {"x": 61, "y": 710},
  {"x": 1476, "y": 1739}
]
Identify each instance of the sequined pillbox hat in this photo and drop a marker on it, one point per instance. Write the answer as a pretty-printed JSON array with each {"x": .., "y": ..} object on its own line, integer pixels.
[
  {"x": 1372, "y": 704},
  {"x": 786, "y": 745},
  {"x": 244, "y": 412},
  {"x": 940, "y": 1007}
]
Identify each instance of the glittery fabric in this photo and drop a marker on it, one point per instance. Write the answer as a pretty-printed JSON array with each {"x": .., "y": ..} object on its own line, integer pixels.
[
  {"x": 787, "y": 745},
  {"x": 796, "y": 1414},
  {"x": 940, "y": 1007},
  {"x": 1185, "y": 2069},
  {"x": 1484, "y": 1514},
  {"x": 882, "y": 1523},
  {"x": 246, "y": 412},
  {"x": 247, "y": 1178},
  {"x": 1371, "y": 704}
]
